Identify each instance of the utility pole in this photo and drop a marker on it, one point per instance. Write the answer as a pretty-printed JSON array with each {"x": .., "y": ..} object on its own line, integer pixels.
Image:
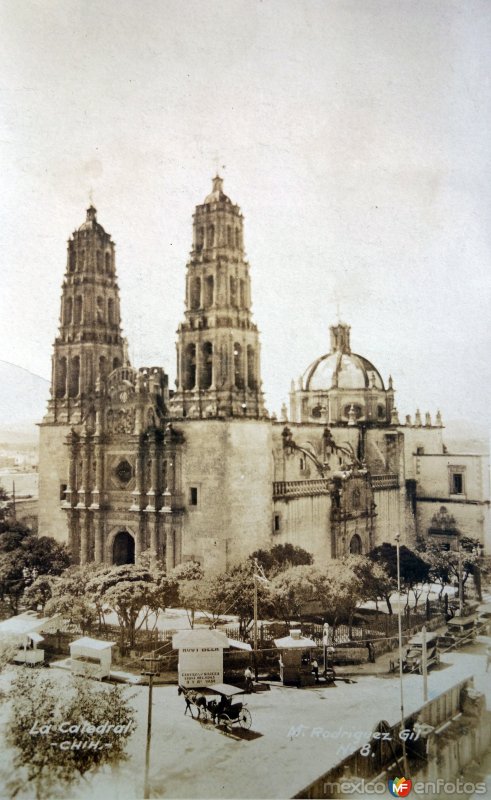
[
  {"x": 461, "y": 585},
  {"x": 258, "y": 575},
  {"x": 151, "y": 667},
  {"x": 255, "y": 628},
  {"x": 399, "y": 625},
  {"x": 424, "y": 664},
  {"x": 325, "y": 642}
]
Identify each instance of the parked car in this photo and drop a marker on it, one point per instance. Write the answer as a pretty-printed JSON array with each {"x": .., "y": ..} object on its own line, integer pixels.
[
  {"x": 461, "y": 630},
  {"x": 413, "y": 660}
]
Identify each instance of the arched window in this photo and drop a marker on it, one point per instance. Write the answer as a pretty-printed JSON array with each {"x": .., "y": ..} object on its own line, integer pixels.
[
  {"x": 380, "y": 412},
  {"x": 356, "y": 498},
  {"x": 195, "y": 293},
  {"x": 251, "y": 367},
  {"x": 71, "y": 260},
  {"x": 99, "y": 261},
  {"x": 74, "y": 387},
  {"x": 233, "y": 291},
  {"x": 102, "y": 367},
  {"x": 242, "y": 293},
  {"x": 61, "y": 378},
  {"x": 229, "y": 236},
  {"x": 209, "y": 287},
  {"x": 200, "y": 238},
  {"x": 81, "y": 259},
  {"x": 100, "y": 309},
  {"x": 207, "y": 365},
  {"x": 78, "y": 309},
  {"x": 237, "y": 237},
  {"x": 190, "y": 367},
  {"x": 238, "y": 368},
  {"x": 355, "y": 545},
  {"x": 358, "y": 410},
  {"x": 210, "y": 236},
  {"x": 107, "y": 262},
  {"x": 116, "y": 363},
  {"x": 110, "y": 311},
  {"x": 68, "y": 310}
]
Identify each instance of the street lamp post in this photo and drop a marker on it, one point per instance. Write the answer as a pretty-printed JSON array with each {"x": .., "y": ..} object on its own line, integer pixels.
[
  {"x": 255, "y": 628},
  {"x": 461, "y": 584},
  {"x": 151, "y": 667},
  {"x": 258, "y": 575},
  {"x": 399, "y": 625}
]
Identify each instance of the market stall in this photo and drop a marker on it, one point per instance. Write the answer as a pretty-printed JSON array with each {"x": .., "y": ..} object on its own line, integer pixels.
[
  {"x": 296, "y": 659},
  {"x": 91, "y": 657}
]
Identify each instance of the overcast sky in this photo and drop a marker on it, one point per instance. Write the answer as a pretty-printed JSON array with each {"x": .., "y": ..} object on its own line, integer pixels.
[{"x": 354, "y": 134}]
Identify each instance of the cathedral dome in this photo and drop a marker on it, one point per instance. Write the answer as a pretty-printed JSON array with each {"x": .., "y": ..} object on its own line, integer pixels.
[
  {"x": 342, "y": 371},
  {"x": 91, "y": 223},
  {"x": 217, "y": 195}
]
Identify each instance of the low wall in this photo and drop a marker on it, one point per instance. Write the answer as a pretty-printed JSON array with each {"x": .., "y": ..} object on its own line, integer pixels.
[{"x": 453, "y": 730}]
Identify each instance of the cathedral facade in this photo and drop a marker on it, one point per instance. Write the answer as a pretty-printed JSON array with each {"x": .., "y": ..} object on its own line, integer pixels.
[{"x": 201, "y": 471}]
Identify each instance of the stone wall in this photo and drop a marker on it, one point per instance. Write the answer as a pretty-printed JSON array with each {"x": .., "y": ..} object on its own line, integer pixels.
[{"x": 53, "y": 472}]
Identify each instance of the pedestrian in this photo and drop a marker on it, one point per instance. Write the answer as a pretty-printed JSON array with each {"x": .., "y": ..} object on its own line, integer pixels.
[
  {"x": 315, "y": 669},
  {"x": 249, "y": 685}
]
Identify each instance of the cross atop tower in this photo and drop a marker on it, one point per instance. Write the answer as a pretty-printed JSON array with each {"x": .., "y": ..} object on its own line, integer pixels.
[{"x": 217, "y": 183}]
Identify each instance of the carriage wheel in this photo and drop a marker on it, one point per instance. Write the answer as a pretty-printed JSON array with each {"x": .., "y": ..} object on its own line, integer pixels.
[
  {"x": 245, "y": 719},
  {"x": 224, "y": 719}
]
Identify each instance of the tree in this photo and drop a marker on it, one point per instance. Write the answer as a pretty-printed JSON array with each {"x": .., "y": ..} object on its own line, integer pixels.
[
  {"x": 187, "y": 571},
  {"x": 414, "y": 570},
  {"x": 293, "y": 588},
  {"x": 232, "y": 592},
  {"x": 12, "y": 534},
  {"x": 133, "y": 592},
  {"x": 194, "y": 596},
  {"x": 4, "y": 503},
  {"x": 281, "y": 557},
  {"x": 70, "y": 598},
  {"x": 39, "y": 592},
  {"x": 23, "y": 557},
  {"x": 41, "y": 760},
  {"x": 7, "y": 652},
  {"x": 373, "y": 577}
]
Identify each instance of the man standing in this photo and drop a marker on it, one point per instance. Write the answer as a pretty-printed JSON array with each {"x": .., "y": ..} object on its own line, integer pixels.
[{"x": 249, "y": 686}]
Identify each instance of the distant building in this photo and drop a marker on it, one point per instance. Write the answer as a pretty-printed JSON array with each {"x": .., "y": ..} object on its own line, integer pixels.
[{"x": 201, "y": 471}]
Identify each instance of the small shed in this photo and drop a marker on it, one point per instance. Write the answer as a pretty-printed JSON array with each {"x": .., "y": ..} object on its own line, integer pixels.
[
  {"x": 91, "y": 657},
  {"x": 295, "y": 659},
  {"x": 22, "y": 631}
]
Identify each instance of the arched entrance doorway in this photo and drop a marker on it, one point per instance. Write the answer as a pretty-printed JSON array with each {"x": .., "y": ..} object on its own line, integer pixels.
[
  {"x": 123, "y": 548},
  {"x": 355, "y": 545}
]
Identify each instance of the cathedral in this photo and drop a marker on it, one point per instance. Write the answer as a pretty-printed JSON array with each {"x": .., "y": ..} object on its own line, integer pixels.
[{"x": 201, "y": 471}]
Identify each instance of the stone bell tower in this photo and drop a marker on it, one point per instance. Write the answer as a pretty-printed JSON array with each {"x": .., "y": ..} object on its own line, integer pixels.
[
  {"x": 218, "y": 353},
  {"x": 88, "y": 347},
  {"x": 89, "y": 344}
]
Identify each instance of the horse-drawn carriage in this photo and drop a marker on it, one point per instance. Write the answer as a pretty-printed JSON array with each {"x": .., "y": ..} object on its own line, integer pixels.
[{"x": 214, "y": 705}]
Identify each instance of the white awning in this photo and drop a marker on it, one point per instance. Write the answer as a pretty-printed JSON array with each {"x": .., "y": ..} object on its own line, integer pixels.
[
  {"x": 199, "y": 638},
  {"x": 92, "y": 644},
  {"x": 35, "y": 637},
  {"x": 239, "y": 645},
  {"x": 290, "y": 643}
]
